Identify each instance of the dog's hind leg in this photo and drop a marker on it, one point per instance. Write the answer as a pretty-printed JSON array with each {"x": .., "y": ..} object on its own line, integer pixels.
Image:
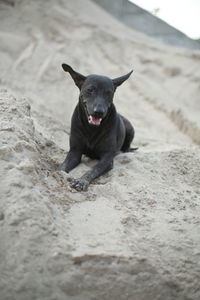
[{"x": 130, "y": 133}]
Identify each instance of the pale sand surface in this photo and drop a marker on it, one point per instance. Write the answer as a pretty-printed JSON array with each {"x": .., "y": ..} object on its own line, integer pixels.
[{"x": 135, "y": 234}]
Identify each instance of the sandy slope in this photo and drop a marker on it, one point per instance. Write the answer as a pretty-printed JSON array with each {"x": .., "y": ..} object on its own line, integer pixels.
[{"x": 135, "y": 233}]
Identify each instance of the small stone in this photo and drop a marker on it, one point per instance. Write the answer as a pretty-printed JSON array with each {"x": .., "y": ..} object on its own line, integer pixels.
[
  {"x": 2, "y": 216},
  {"x": 49, "y": 143}
]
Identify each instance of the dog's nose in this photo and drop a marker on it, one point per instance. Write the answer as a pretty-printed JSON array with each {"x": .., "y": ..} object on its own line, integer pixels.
[{"x": 99, "y": 110}]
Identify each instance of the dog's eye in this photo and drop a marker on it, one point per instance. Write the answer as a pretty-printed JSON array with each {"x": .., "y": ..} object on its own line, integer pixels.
[
  {"x": 108, "y": 94},
  {"x": 90, "y": 90}
]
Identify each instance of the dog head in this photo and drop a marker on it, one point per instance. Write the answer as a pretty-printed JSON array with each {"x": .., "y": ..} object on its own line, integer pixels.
[{"x": 96, "y": 93}]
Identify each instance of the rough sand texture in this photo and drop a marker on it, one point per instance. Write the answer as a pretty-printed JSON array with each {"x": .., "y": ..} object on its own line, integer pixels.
[{"x": 135, "y": 233}]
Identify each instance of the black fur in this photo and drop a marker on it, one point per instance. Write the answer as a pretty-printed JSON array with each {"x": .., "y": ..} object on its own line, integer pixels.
[{"x": 97, "y": 130}]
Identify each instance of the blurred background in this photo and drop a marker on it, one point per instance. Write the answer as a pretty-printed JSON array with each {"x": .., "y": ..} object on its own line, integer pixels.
[
  {"x": 109, "y": 38},
  {"x": 172, "y": 22}
]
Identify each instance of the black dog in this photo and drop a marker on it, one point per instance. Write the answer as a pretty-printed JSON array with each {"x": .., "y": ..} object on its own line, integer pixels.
[{"x": 97, "y": 130}]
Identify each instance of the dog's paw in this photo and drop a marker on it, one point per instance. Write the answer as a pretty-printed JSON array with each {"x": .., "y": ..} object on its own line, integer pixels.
[{"x": 78, "y": 184}]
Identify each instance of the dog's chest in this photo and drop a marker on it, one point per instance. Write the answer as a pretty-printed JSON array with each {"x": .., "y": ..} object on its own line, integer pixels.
[{"x": 94, "y": 145}]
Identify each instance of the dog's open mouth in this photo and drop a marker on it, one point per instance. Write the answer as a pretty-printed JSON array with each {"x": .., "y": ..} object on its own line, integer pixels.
[{"x": 94, "y": 120}]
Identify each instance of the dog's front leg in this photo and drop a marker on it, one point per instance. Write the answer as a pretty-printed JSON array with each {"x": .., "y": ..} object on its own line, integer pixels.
[
  {"x": 104, "y": 165},
  {"x": 71, "y": 161}
]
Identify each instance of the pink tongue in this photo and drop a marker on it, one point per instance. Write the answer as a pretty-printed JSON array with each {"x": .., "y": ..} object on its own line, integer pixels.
[{"x": 94, "y": 121}]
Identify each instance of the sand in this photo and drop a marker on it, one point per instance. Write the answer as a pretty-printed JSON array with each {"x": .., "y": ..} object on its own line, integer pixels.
[{"x": 135, "y": 233}]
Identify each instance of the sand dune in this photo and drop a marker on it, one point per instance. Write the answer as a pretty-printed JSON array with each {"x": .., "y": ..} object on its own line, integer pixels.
[{"x": 135, "y": 233}]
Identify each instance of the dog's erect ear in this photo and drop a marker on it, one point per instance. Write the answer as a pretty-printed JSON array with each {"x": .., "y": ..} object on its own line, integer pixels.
[
  {"x": 77, "y": 77},
  {"x": 119, "y": 80}
]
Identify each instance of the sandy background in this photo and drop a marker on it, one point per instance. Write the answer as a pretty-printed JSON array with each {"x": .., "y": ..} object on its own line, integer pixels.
[{"x": 135, "y": 233}]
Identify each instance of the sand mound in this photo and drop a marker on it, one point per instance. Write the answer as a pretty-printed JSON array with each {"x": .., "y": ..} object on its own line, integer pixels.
[{"x": 135, "y": 233}]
